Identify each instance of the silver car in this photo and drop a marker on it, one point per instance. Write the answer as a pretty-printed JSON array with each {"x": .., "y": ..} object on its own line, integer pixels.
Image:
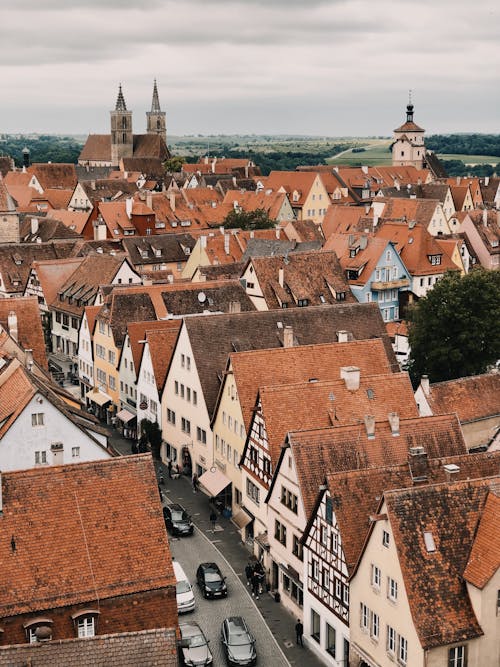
[
  {"x": 194, "y": 645},
  {"x": 238, "y": 642}
]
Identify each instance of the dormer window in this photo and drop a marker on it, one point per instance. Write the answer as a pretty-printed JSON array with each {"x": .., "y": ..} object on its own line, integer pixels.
[
  {"x": 38, "y": 630},
  {"x": 295, "y": 196},
  {"x": 85, "y": 622},
  {"x": 435, "y": 260},
  {"x": 303, "y": 302},
  {"x": 340, "y": 296},
  {"x": 353, "y": 251},
  {"x": 144, "y": 254}
]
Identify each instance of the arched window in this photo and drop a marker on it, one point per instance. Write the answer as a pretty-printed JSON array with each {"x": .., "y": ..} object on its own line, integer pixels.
[
  {"x": 85, "y": 622},
  {"x": 38, "y": 629}
]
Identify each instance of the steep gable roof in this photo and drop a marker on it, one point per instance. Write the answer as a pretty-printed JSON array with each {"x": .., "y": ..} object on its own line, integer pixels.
[
  {"x": 161, "y": 347},
  {"x": 48, "y": 569},
  {"x": 214, "y": 296},
  {"x": 474, "y": 397},
  {"x": 484, "y": 558},
  {"x": 214, "y": 337},
  {"x": 29, "y": 327},
  {"x": 439, "y": 603},
  {"x": 54, "y": 174},
  {"x": 291, "y": 182},
  {"x": 368, "y": 250}
]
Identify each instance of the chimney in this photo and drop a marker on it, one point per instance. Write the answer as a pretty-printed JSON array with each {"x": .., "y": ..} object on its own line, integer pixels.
[
  {"x": 364, "y": 169},
  {"x": 485, "y": 217},
  {"x": 92, "y": 185},
  {"x": 29, "y": 359},
  {"x": 342, "y": 336},
  {"x": 234, "y": 307},
  {"x": 171, "y": 199},
  {"x": 417, "y": 460},
  {"x": 129, "y": 202},
  {"x": 459, "y": 180},
  {"x": 367, "y": 208},
  {"x": 12, "y": 325},
  {"x": 424, "y": 383},
  {"x": 226, "y": 243},
  {"x": 370, "y": 426},
  {"x": 149, "y": 200},
  {"x": 146, "y": 280},
  {"x": 351, "y": 376},
  {"x": 34, "y": 225},
  {"x": 170, "y": 278},
  {"x": 203, "y": 241},
  {"x": 281, "y": 276},
  {"x": 450, "y": 469},
  {"x": 100, "y": 230},
  {"x": 288, "y": 336},
  {"x": 375, "y": 220},
  {"x": 277, "y": 232},
  {"x": 26, "y": 158},
  {"x": 486, "y": 180},
  {"x": 394, "y": 423}
]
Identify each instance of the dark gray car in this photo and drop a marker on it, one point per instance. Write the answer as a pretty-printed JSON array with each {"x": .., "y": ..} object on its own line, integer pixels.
[
  {"x": 238, "y": 642},
  {"x": 194, "y": 645},
  {"x": 177, "y": 520}
]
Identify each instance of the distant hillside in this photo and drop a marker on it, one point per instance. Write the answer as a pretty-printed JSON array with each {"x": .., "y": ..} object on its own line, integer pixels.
[{"x": 43, "y": 148}]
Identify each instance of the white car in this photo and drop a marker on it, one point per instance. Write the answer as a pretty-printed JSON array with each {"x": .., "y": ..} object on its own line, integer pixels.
[{"x": 183, "y": 590}]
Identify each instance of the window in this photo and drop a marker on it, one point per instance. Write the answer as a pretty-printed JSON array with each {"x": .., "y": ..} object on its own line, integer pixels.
[
  {"x": 253, "y": 492},
  {"x": 457, "y": 656},
  {"x": 230, "y": 422},
  {"x": 280, "y": 532},
  {"x": 338, "y": 589},
  {"x": 330, "y": 640},
  {"x": 170, "y": 416},
  {"x": 37, "y": 419},
  {"x": 402, "y": 650},
  {"x": 86, "y": 626},
  {"x": 195, "y": 396},
  {"x": 153, "y": 406},
  {"x": 40, "y": 457},
  {"x": 74, "y": 323},
  {"x": 111, "y": 357},
  {"x": 315, "y": 569},
  {"x": 375, "y": 576},
  {"x": 325, "y": 578},
  {"x": 392, "y": 589},
  {"x": 75, "y": 452},
  {"x": 297, "y": 548},
  {"x": 112, "y": 382},
  {"x": 100, "y": 351},
  {"x": 315, "y": 626},
  {"x": 229, "y": 452},
  {"x": 101, "y": 327},
  {"x": 183, "y": 361},
  {"x": 201, "y": 435},
  {"x": 345, "y": 594},
  {"x": 303, "y": 302},
  {"x": 374, "y": 625},
  {"x": 324, "y": 536},
  {"x": 289, "y": 499},
  {"x": 235, "y": 458},
  {"x": 385, "y": 539},
  {"x": 185, "y": 425},
  {"x": 58, "y": 317},
  {"x": 188, "y": 394},
  {"x": 31, "y": 630},
  {"x": 182, "y": 390},
  {"x": 391, "y": 640},
  {"x": 176, "y": 388},
  {"x": 364, "y": 617}
]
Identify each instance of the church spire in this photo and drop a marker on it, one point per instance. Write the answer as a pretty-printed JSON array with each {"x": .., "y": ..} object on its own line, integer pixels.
[
  {"x": 409, "y": 109},
  {"x": 120, "y": 102},
  {"x": 155, "y": 104}
]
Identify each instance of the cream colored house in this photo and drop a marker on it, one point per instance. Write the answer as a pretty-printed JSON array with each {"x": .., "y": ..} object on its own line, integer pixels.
[
  {"x": 427, "y": 574},
  {"x": 306, "y": 192}
]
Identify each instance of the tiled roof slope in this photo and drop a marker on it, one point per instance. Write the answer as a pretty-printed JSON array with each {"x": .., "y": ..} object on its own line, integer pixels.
[
  {"x": 258, "y": 368},
  {"x": 15, "y": 392},
  {"x": 212, "y": 297},
  {"x": 124, "y": 649},
  {"x": 288, "y": 407},
  {"x": 356, "y": 494},
  {"x": 129, "y": 553},
  {"x": 366, "y": 258},
  {"x": 29, "y": 326},
  {"x": 440, "y": 606},
  {"x": 143, "y": 250},
  {"x": 341, "y": 448},
  {"x": 475, "y": 397},
  {"x": 220, "y": 271},
  {"x": 214, "y": 337},
  {"x": 161, "y": 347},
  {"x": 137, "y": 331},
  {"x": 124, "y": 306},
  {"x": 98, "y": 147},
  {"x": 54, "y": 174},
  {"x": 48, "y": 229},
  {"x": 314, "y": 276},
  {"x": 484, "y": 559},
  {"x": 16, "y": 258}
]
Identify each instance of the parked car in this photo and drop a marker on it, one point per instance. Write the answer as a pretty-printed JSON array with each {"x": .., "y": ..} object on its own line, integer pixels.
[
  {"x": 183, "y": 591},
  {"x": 211, "y": 581},
  {"x": 238, "y": 642},
  {"x": 177, "y": 520},
  {"x": 194, "y": 645}
]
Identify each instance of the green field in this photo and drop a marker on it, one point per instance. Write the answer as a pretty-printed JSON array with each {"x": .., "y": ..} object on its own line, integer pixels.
[
  {"x": 471, "y": 159},
  {"x": 376, "y": 153}
]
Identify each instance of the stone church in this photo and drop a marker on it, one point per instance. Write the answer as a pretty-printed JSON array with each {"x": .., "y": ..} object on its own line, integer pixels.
[{"x": 107, "y": 150}]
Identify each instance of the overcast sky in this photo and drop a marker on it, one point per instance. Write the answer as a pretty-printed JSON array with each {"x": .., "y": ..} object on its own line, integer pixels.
[{"x": 321, "y": 67}]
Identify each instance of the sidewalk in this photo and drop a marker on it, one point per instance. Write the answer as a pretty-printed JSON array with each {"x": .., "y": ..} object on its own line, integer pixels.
[{"x": 227, "y": 540}]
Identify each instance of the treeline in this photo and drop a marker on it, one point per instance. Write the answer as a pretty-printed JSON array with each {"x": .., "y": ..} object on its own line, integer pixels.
[
  {"x": 458, "y": 168},
  {"x": 43, "y": 148},
  {"x": 464, "y": 144}
]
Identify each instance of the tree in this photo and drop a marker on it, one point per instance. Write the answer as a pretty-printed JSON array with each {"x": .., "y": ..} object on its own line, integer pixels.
[
  {"x": 454, "y": 331},
  {"x": 151, "y": 433},
  {"x": 258, "y": 219},
  {"x": 174, "y": 164}
]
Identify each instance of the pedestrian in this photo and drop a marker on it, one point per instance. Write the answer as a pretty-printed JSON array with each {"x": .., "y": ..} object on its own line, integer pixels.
[
  {"x": 161, "y": 493},
  {"x": 255, "y": 585},
  {"x": 213, "y": 519},
  {"x": 249, "y": 573},
  {"x": 162, "y": 480},
  {"x": 299, "y": 631},
  {"x": 195, "y": 483},
  {"x": 169, "y": 468}
]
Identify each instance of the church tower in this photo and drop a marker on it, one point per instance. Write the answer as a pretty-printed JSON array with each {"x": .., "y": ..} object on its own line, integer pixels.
[
  {"x": 122, "y": 139},
  {"x": 408, "y": 148},
  {"x": 156, "y": 118}
]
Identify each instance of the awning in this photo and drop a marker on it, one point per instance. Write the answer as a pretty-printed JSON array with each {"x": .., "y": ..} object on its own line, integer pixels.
[
  {"x": 291, "y": 573},
  {"x": 363, "y": 655},
  {"x": 214, "y": 481},
  {"x": 262, "y": 540},
  {"x": 242, "y": 518},
  {"x": 125, "y": 416},
  {"x": 98, "y": 397}
]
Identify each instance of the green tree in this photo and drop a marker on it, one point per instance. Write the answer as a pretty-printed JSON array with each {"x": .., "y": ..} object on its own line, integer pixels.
[
  {"x": 257, "y": 219},
  {"x": 151, "y": 433},
  {"x": 454, "y": 330},
  {"x": 174, "y": 164}
]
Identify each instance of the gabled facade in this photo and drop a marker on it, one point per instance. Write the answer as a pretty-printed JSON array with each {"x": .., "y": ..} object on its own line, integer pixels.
[
  {"x": 306, "y": 193},
  {"x": 408, "y": 148},
  {"x": 482, "y": 229}
]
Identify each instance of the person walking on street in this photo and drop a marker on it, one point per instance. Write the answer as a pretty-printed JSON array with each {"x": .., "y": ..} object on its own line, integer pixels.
[
  {"x": 299, "y": 631},
  {"x": 255, "y": 585},
  {"x": 169, "y": 468},
  {"x": 195, "y": 483},
  {"x": 249, "y": 573},
  {"x": 213, "y": 519}
]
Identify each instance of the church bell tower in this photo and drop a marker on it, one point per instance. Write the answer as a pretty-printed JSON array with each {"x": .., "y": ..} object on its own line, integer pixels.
[
  {"x": 122, "y": 139},
  {"x": 156, "y": 118}
]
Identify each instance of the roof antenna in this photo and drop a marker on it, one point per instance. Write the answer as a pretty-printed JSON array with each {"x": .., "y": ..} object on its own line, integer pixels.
[{"x": 409, "y": 96}]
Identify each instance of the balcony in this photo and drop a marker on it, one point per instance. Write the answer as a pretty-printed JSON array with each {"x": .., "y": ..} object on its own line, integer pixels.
[{"x": 397, "y": 283}]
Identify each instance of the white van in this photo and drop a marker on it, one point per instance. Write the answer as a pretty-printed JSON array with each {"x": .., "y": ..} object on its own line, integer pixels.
[{"x": 184, "y": 592}]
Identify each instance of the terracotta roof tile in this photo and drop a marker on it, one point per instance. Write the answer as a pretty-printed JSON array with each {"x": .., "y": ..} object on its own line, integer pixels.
[
  {"x": 439, "y": 603},
  {"x": 475, "y": 397},
  {"x": 161, "y": 347},
  {"x": 29, "y": 326},
  {"x": 49, "y": 569},
  {"x": 54, "y": 174},
  {"x": 484, "y": 559}
]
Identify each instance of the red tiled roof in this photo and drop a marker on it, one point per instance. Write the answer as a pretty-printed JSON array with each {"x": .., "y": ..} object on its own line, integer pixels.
[
  {"x": 29, "y": 326},
  {"x": 106, "y": 539},
  {"x": 484, "y": 559},
  {"x": 475, "y": 397}
]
